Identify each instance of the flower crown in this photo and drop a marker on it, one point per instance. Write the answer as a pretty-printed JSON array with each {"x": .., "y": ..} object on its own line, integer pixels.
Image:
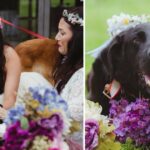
[
  {"x": 73, "y": 18},
  {"x": 1, "y": 26},
  {"x": 119, "y": 23}
]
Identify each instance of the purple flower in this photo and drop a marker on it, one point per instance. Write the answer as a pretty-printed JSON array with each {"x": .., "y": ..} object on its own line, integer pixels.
[
  {"x": 117, "y": 107},
  {"x": 132, "y": 121},
  {"x": 15, "y": 137},
  {"x": 91, "y": 134},
  {"x": 54, "y": 123},
  {"x": 50, "y": 127}
]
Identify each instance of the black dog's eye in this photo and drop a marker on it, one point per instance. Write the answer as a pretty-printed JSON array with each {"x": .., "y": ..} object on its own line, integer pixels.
[
  {"x": 141, "y": 35},
  {"x": 136, "y": 41},
  {"x": 140, "y": 38}
]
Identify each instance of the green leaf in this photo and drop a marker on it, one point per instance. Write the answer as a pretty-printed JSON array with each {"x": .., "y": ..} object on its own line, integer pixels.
[
  {"x": 24, "y": 123},
  {"x": 128, "y": 145}
]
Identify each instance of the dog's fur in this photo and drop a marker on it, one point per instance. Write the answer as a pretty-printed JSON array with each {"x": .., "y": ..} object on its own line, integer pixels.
[
  {"x": 122, "y": 60},
  {"x": 39, "y": 55}
]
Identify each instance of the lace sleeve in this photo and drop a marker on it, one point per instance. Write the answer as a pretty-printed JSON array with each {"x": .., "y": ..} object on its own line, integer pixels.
[{"x": 73, "y": 94}]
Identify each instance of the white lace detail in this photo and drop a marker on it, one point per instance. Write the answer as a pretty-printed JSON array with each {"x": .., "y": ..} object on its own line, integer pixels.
[
  {"x": 29, "y": 79},
  {"x": 73, "y": 94}
]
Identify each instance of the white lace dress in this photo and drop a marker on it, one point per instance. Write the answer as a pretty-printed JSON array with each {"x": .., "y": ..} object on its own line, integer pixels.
[
  {"x": 30, "y": 79},
  {"x": 73, "y": 94}
]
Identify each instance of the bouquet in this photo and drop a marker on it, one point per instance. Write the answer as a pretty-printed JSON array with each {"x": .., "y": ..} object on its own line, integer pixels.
[
  {"x": 40, "y": 123},
  {"x": 98, "y": 129},
  {"x": 126, "y": 128},
  {"x": 132, "y": 122}
]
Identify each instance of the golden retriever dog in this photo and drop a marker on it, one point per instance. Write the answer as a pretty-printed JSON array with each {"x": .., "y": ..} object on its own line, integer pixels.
[{"x": 39, "y": 55}]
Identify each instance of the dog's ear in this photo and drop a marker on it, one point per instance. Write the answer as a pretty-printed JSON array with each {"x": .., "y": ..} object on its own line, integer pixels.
[{"x": 115, "y": 54}]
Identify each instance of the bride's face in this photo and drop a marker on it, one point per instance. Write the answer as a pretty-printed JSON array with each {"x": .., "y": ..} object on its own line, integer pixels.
[{"x": 63, "y": 36}]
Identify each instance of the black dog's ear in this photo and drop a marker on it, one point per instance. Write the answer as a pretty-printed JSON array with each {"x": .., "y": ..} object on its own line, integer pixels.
[{"x": 115, "y": 53}]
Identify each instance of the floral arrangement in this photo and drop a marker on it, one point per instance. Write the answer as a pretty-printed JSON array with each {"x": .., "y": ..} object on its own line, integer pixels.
[
  {"x": 98, "y": 130},
  {"x": 132, "y": 121},
  {"x": 39, "y": 123},
  {"x": 73, "y": 18},
  {"x": 119, "y": 23},
  {"x": 126, "y": 128}
]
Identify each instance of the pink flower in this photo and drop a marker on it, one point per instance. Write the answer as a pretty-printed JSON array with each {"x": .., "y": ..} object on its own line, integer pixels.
[
  {"x": 91, "y": 134},
  {"x": 53, "y": 149}
]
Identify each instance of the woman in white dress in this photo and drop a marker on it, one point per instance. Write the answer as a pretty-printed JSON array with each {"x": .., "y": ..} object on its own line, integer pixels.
[{"x": 68, "y": 74}]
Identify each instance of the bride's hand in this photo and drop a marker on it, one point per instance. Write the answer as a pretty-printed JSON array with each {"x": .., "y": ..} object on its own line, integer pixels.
[{"x": 3, "y": 113}]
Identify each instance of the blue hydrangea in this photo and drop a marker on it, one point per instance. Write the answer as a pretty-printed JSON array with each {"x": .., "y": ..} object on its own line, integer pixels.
[
  {"x": 14, "y": 114},
  {"x": 48, "y": 96}
]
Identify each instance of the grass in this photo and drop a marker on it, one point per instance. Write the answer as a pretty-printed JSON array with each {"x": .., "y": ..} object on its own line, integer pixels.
[{"x": 97, "y": 12}]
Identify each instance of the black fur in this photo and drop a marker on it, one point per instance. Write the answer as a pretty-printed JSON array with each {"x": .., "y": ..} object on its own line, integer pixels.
[{"x": 123, "y": 60}]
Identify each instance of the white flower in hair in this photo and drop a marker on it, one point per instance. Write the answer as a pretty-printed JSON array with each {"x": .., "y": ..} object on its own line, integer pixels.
[
  {"x": 73, "y": 18},
  {"x": 119, "y": 23}
]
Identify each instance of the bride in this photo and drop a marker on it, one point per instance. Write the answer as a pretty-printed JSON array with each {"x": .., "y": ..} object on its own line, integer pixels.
[{"x": 68, "y": 74}]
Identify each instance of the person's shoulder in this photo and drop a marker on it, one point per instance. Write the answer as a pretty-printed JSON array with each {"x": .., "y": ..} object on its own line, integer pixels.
[
  {"x": 77, "y": 76},
  {"x": 10, "y": 53},
  {"x": 8, "y": 48},
  {"x": 78, "y": 72},
  {"x": 74, "y": 84}
]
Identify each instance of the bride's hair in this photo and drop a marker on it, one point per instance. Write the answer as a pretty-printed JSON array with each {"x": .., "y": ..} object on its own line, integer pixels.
[
  {"x": 2, "y": 63},
  {"x": 74, "y": 58}
]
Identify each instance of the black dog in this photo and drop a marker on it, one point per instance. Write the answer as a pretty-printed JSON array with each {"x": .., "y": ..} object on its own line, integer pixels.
[{"x": 126, "y": 59}]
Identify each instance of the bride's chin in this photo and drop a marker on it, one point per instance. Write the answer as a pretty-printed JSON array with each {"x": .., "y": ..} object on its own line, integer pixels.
[{"x": 61, "y": 51}]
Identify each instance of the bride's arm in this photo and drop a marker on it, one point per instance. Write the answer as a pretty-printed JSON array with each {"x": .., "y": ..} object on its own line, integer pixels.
[{"x": 13, "y": 71}]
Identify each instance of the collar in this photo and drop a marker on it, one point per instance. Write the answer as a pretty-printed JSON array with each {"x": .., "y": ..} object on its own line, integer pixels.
[{"x": 111, "y": 90}]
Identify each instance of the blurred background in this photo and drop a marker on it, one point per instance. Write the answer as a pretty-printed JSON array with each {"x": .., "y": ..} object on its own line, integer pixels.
[
  {"x": 97, "y": 13},
  {"x": 40, "y": 16}
]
